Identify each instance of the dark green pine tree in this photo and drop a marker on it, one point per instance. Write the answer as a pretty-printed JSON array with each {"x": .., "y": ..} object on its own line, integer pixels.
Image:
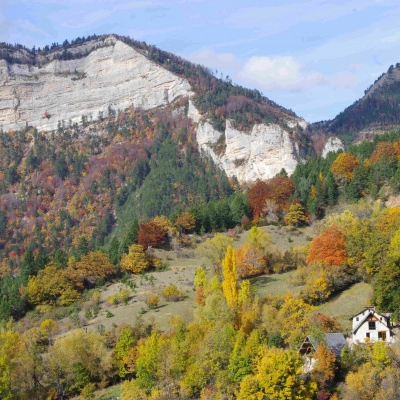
[
  {"x": 113, "y": 251},
  {"x": 3, "y": 223},
  {"x": 60, "y": 166},
  {"x": 387, "y": 286},
  {"x": 130, "y": 237},
  {"x": 82, "y": 249},
  {"x": 28, "y": 267},
  {"x": 332, "y": 192},
  {"x": 60, "y": 258},
  {"x": 358, "y": 184},
  {"x": 41, "y": 260}
]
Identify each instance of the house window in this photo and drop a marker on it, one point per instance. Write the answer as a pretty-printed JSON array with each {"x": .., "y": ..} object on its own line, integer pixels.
[
  {"x": 367, "y": 335},
  {"x": 382, "y": 335},
  {"x": 371, "y": 325},
  {"x": 357, "y": 319}
]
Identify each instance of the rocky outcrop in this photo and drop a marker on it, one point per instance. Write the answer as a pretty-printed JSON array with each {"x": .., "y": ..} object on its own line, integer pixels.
[
  {"x": 113, "y": 76},
  {"x": 332, "y": 144},
  {"x": 260, "y": 154},
  {"x": 107, "y": 75}
]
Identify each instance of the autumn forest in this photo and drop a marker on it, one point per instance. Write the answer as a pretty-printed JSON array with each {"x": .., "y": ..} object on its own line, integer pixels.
[{"x": 109, "y": 204}]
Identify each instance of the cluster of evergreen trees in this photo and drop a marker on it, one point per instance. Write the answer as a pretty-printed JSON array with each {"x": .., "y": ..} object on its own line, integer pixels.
[{"x": 317, "y": 187}]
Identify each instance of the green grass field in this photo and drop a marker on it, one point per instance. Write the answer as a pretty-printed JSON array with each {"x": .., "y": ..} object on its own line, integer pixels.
[{"x": 348, "y": 303}]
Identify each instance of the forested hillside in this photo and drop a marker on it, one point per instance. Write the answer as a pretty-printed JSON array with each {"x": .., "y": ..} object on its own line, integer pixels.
[
  {"x": 122, "y": 219},
  {"x": 376, "y": 112}
]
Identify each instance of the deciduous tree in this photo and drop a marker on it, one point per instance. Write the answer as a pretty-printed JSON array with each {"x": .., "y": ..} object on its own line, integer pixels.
[
  {"x": 328, "y": 248},
  {"x": 230, "y": 282},
  {"x": 296, "y": 215},
  {"x": 343, "y": 166},
  {"x": 213, "y": 250},
  {"x": 151, "y": 235},
  {"x": 135, "y": 261}
]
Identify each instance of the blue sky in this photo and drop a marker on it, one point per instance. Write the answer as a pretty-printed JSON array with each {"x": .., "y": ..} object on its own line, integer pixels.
[{"x": 315, "y": 57}]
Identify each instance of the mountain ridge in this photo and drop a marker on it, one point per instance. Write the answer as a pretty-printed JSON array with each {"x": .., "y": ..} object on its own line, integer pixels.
[
  {"x": 110, "y": 73},
  {"x": 376, "y": 112}
]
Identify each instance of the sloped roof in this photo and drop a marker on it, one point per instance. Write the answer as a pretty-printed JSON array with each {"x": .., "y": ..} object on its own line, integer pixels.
[
  {"x": 372, "y": 312},
  {"x": 368, "y": 308},
  {"x": 333, "y": 341},
  {"x": 361, "y": 322}
]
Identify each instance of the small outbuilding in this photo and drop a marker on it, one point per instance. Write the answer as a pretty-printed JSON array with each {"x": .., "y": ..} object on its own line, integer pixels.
[{"x": 333, "y": 341}]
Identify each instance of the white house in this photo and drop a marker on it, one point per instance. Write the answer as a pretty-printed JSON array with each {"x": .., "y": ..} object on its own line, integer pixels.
[{"x": 368, "y": 324}]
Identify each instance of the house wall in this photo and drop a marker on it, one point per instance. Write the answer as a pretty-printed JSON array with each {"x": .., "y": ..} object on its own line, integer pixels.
[
  {"x": 359, "y": 317},
  {"x": 361, "y": 333}
]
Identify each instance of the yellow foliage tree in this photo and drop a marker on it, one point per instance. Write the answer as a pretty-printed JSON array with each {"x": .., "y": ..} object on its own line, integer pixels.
[
  {"x": 213, "y": 250},
  {"x": 296, "y": 215},
  {"x": 277, "y": 378},
  {"x": 230, "y": 282},
  {"x": 51, "y": 287},
  {"x": 293, "y": 315},
  {"x": 135, "y": 261},
  {"x": 259, "y": 238},
  {"x": 93, "y": 266},
  {"x": 9, "y": 352},
  {"x": 343, "y": 166},
  {"x": 185, "y": 222}
]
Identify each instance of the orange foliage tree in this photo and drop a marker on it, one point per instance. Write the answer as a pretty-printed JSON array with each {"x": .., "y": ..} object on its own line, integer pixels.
[
  {"x": 256, "y": 198},
  {"x": 151, "y": 234},
  {"x": 325, "y": 368},
  {"x": 328, "y": 248},
  {"x": 387, "y": 149},
  {"x": 185, "y": 222},
  {"x": 326, "y": 323},
  {"x": 343, "y": 166},
  {"x": 250, "y": 261},
  {"x": 278, "y": 189}
]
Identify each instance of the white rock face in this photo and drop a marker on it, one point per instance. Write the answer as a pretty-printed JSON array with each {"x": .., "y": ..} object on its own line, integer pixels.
[
  {"x": 193, "y": 113},
  {"x": 114, "y": 75},
  {"x": 332, "y": 144},
  {"x": 248, "y": 157}
]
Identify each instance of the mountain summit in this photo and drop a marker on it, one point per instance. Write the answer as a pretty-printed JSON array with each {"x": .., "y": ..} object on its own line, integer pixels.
[
  {"x": 376, "y": 112},
  {"x": 246, "y": 134}
]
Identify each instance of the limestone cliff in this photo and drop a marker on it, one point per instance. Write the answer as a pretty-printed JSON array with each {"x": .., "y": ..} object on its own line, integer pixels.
[
  {"x": 112, "y": 76},
  {"x": 260, "y": 154},
  {"x": 332, "y": 144},
  {"x": 107, "y": 74}
]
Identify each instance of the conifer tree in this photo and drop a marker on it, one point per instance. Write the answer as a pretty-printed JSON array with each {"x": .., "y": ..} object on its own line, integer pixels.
[{"x": 113, "y": 251}]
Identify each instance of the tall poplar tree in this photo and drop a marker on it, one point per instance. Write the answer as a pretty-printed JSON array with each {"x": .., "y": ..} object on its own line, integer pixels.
[{"x": 230, "y": 274}]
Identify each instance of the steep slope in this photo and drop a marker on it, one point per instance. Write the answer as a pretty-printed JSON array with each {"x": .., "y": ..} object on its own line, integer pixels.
[
  {"x": 93, "y": 79},
  {"x": 377, "y": 111}
]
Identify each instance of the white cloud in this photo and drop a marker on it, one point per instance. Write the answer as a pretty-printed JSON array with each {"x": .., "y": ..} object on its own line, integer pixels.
[
  {"x": 210, "y": 58},
  {"x": 345, "y": 80},
  {"x": 272, "y": 19},
  {"x": 391, "y": 39},
  {"x": 279, "y": 73},
  {"x": 24, "y": 24}
]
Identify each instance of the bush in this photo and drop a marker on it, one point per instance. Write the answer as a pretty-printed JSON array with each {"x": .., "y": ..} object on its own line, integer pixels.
[
  {"x": 171, "y": 293},
  {"x": 121, "y": 297},
  {"x": 152, "y": 302}
]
